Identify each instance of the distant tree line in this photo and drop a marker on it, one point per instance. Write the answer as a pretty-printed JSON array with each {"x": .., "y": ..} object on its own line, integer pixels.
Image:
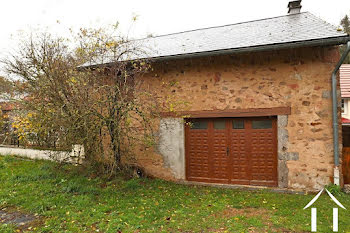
[{"x": 345, "y": 23}]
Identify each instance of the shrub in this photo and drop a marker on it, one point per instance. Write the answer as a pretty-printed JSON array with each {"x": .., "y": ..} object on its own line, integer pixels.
[{"x": 334, "y": 189}]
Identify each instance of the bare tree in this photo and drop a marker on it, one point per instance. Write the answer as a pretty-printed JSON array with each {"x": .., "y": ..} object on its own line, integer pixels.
[{"x": 86, "y": 91}]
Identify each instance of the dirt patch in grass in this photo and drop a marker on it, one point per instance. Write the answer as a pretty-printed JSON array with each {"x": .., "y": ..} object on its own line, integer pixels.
[{"x": 22, "y": 221}]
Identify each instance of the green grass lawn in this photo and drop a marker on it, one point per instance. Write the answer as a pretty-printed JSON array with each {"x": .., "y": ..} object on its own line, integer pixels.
[{"x": 70, "y": 200}]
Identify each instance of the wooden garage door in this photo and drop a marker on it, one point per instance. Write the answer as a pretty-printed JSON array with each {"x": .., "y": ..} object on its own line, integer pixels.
[{"x": 232, "y": 150}]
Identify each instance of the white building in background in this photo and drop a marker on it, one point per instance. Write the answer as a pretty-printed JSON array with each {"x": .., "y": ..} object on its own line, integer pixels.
[
  {"x": 345, "y": 92},
  {"x": 344, "y": 73}
]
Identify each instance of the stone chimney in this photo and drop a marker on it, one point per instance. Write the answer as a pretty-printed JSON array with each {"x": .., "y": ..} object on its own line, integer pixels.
[{"x": 294, "y": 7}]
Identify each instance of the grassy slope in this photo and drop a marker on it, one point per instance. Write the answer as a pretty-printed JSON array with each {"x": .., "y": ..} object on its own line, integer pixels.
[{"x": 72, "y": 202}]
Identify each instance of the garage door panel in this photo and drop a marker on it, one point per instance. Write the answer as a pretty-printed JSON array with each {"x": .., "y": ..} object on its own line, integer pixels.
[
  {"x": 239, "y": 156},
  {"x": 237, "y": 151},
  {"x": 198, "y": 149},
  {"x": 263, "y": 156},
  {"x": 219, "y": 158}
]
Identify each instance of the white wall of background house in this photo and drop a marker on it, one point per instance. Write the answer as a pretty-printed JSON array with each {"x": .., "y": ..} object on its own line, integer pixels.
[
  {"x": 344, "y": 73},
  {"x": 345, "y": 108},
  {"x": 75, "y": 156}
]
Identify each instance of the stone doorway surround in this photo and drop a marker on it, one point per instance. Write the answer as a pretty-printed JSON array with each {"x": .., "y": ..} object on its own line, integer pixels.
[
  {"x": 172, "y": 138},
  {"x": 282, "y": 151}
]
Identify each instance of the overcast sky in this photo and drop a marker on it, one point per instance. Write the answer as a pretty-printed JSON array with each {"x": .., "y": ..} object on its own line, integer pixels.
[{"x": 155, "y": 17}]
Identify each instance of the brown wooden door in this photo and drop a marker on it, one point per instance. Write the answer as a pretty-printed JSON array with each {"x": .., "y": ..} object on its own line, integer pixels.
[
  {"x": 232, "y": 150},
  {"x": 239, "y": 146},
  {"x": 346, "y": 165},
  {"x": 263, "y": 151},
  {"x": 219, "y": 151},
  {"x": 197, "y": 151}
]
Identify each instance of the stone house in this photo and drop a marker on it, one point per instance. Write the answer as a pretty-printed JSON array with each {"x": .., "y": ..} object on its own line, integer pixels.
[{"x": 259, "y": 97}]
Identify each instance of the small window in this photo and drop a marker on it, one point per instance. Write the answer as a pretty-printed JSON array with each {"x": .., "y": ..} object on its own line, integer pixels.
[
  {"x": 199, "y": 125},
  {"x": 238, "y": 124},
  {"x": 344, "y": 106},
  {"x": 219, "y": 124},
  {"x": 265, "y": 124}
]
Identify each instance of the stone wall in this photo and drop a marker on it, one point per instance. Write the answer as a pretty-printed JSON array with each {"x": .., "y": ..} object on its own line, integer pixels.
[
  {"x": 299, "y": 78},
  {"x": 76, "y": 156}
]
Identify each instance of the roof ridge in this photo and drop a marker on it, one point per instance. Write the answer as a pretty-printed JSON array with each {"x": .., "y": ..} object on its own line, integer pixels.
[{"x": 198, "y": 29}]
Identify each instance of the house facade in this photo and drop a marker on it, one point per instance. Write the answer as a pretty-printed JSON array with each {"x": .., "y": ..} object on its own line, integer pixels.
[
  {"x": 262, "y": 118},
  {"x": 252, "y": 117},
  {"x": 257, "y": 103}
]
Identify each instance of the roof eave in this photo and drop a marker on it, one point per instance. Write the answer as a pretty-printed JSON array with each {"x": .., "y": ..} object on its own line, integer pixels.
[
  {"x": 289, "y": 45},
  {"x": 297, "y": 44}
]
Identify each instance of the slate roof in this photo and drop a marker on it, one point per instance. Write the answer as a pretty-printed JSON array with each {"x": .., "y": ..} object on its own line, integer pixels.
[
  {"x": 302, "y": 29},
  {"x": 344, "y": 73}
]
